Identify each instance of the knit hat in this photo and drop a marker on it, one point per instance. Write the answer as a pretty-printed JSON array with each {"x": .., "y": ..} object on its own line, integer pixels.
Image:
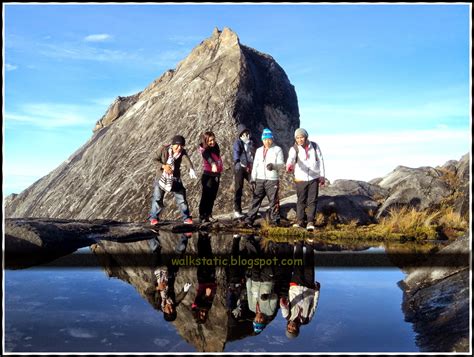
[
  {"x": 301, "y": 132},
  {"x": 258, "y": 327},
  {"x": 267, "y": 134},
  {"x": 178, "y": 140},
  {"x": 291, "y": 335}
]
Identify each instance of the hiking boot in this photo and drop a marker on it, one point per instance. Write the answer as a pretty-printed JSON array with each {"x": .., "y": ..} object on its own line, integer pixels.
[
  {"x": 296, "y": 225},
  {"x": 153, "y": 221},
  {"x": 238, "y": 215},
  {"x": 310, "y": 227},
  {"x": 188, "y": 221},
  {"x": 211, "y": 219}
]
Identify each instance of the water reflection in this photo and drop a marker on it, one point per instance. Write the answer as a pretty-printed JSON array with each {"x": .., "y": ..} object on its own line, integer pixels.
[{"x": 217, "y": 307}]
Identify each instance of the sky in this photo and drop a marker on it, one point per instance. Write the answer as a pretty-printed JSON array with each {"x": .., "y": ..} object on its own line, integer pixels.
[{"x": 378, "y": 85}]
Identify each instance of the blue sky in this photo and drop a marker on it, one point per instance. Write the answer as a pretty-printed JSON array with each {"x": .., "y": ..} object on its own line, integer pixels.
[{"x": 377, "y": 85}]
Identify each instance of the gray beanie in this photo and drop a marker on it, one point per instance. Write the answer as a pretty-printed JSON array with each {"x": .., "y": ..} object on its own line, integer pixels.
[{"x": 301, "y": 131}]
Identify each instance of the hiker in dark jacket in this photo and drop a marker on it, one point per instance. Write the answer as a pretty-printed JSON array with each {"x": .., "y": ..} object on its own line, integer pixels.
[
  {"x": 212, "y": 168},
  {"x": 243, "y": 154},
  {"x": 168, "y": 178}
]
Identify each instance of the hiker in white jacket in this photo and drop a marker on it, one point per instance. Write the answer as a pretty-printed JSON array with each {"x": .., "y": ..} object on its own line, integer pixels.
[
  {"x": 304, "y": 160},
  {"x": 264, "y": 179},
  {"x": 303, "y": 294}
]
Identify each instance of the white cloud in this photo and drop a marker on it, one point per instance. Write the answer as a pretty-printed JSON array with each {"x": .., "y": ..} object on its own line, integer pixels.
[
  {"x": 10, "y": 67},
  {"x": 49, "y": 115},
  {"x": 97, "y": 37},
  {"x": 375, "y": 154}
]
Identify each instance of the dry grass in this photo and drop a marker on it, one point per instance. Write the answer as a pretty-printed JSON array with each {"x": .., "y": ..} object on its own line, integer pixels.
[{"x": 400, "y": 224}]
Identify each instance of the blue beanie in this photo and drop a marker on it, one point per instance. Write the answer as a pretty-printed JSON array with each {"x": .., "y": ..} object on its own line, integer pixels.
[
  {"x": 267, "y": 134},
  {"x": 258, "y": 327}
]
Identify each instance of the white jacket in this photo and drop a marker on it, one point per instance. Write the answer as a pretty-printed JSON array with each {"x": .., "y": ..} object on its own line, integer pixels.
[
  {"x": 303, "y": 302},
  {"x": 275, "y": 156},
  {"x": 305, "y": 168}
]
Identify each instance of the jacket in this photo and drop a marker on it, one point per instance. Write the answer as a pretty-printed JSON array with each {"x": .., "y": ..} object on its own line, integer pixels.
[
  {"x": 242, "y": 153},
  {"x": 210, "y": 156},
  {"x": 303, "y": 302},
  {"x": 307, "y": 167},
  {"x": 161, "y": 157},
  {"x": 261, "y": 292},
  {"x": 274, "y": 155}
]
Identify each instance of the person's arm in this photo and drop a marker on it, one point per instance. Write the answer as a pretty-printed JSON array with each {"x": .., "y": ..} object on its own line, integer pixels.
[
  {"x": 236, "y": 151},
  {"x": 315, "y": 300},
  {"x": 189, "y": 165},
  {"x": 256, "y": 164},
  {"x": 280, "y": 161},
  {"x": 157, "y": 159},
  {"x": 290, "y": 163}
]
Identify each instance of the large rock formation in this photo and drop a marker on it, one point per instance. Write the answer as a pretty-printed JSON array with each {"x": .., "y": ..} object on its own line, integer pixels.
[
  {"x": 219, "y": 85},
  {"x": 436, "y": 301}
]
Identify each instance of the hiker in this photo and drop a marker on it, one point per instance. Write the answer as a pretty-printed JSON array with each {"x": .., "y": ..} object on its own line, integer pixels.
[
  {"x": 212, "y": 168},
  {"x": 168, "y": 178},
  {"x": 207, "y": 285},
  {"x": 304, "y": 160},
  {"x": 261, "y": 297},
  {"x": 303, "y": 295},
  {"x": 264, "y": 178},
  {"x": 165, "y": 273},
  {"x": 243, "y": 154}
]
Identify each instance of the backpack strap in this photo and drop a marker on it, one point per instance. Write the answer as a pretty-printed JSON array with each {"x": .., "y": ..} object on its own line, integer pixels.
[{"x": 313, "y": 144}]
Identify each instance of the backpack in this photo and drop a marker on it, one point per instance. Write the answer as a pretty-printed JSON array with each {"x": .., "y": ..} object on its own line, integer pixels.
[{"x": 313, "y": 144}]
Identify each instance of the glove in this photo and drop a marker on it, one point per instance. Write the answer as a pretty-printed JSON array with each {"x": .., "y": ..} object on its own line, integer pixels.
[
  {"x": 270, "y": 167},
  {"x": 253, "y": 185},
  {"x": 237, "y": 312},
  {"x": 192, "y": 174},
  {"x": 186, "y": 287}
]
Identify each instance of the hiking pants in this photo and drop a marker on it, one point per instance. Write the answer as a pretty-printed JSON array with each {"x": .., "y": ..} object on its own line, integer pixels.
[
  {"x": 303, "y": 275},
  {"x": 268, "y": 188},
  {"x": 157, "y": 204},
  {"x": 240, "y": 175},
  {"x": 307, "y": 197},
  {"x": 210, "y": 186}
]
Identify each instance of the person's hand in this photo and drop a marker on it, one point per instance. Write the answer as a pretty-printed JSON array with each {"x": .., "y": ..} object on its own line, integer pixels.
[
  {"x": 192, "y": 174},
  {"x": 270, "y": 167},
  {"x": 322, "y": 181},
  {"x": 283, "y": 301},
  {"x": 253, "y": 185},
  {"x": 237, "y": 312},
  {"x": 186, "y": 287},
  {"x": 213, "y": 167},
  {"x": 167, "y": 168},
  {"x": 290, "y": 168}
]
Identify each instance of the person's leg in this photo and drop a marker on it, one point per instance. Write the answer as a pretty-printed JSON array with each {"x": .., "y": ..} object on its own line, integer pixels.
[
  {"x": 213, "y": 193},
  {"x": 272, "y": 188},
  {"x": 157, "y": 200},
  {"x": 205, "y": 196},
  {"x": 180, "y": 197},
  {"x": 239, "y": 174},
  {"x": 302, "y": 195},
  {"x": 258, "y": 196},
  {"x": 313, "y": 191}
]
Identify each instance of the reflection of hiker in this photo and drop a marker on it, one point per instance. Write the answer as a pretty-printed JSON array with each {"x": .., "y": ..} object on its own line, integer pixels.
[
  {"x": 304, "y": 160},
  {"x": 236, "y": 297},
  {"x": 243, "y": 154},
  {"x": 168, "y": 178},
  {"x": 212, "y": 168},
  {"x": 165, "y": 274},
  {"x": 262, "y": 299},
  {"x": 206, "y": 275},
  {"x": 265, "y": 180},
  {"x": 303, "y": 294}
]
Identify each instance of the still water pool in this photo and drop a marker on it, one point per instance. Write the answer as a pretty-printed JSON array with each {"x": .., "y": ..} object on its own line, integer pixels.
[{"x": 90, "y": 310}]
